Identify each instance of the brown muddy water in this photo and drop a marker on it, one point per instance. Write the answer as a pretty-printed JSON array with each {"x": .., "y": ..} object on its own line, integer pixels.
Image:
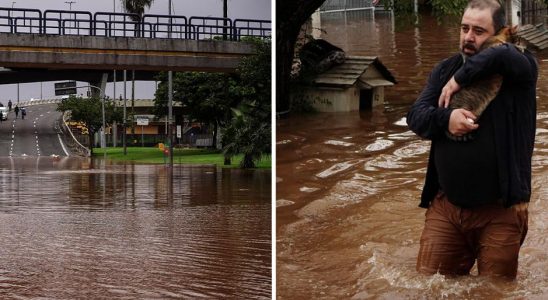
[
  {"x": 88, "y": 229},
  {"x": 348, "y": 185}
]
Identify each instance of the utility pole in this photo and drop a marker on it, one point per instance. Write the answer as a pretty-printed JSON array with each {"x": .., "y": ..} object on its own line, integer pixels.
[
  {"x": 170, "y": 102},
  {"x": 225, "y": 16},
  {"x": 114, "y": 125},
  {"x": 124, "y": 137}
]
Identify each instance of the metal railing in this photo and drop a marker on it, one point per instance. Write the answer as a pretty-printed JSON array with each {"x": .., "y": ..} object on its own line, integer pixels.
[
  {"x": 108, "y": 24},
  {"x": 533, "y": 12},
  {"x": 346, "y": 5}
]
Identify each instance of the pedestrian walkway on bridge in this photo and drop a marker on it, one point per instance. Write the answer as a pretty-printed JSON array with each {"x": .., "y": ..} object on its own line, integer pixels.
[{"x": 110, "y": 24}]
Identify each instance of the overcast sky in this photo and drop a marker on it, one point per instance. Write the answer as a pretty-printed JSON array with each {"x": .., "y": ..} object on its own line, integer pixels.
[{"x": 249, "y": 9}]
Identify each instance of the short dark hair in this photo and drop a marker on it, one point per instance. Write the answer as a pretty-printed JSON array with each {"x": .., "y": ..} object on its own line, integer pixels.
[{"x": 499, "y": 15}]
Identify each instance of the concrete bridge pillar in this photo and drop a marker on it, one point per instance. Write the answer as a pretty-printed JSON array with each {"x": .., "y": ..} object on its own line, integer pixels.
[{"x": 100, "y": 83}]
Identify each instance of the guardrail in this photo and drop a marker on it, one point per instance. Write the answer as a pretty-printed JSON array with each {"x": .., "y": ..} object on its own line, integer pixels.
[
  {"x": 72, "y": 142},
  {"x": 108, "y": 24}
]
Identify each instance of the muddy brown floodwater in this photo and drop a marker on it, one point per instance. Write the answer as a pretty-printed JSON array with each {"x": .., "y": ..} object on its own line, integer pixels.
[
  {"x": 88, "y": 229},
  {"x": 348, "y": 184}
]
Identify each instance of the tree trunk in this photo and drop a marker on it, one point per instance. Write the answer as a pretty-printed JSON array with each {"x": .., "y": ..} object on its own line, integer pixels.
[
  {"x": 247, "y": 162},
  {"x": 227, "y": 161},
  {"x": 214, "y": 142},
  {"x": 290, "y": 16},
  {"x": 133, "y": 107},
  {"x": 90, "y": 139}
]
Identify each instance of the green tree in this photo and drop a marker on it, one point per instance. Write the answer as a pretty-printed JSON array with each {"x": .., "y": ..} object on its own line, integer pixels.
[
  {"x": 290, "y": 17},
  {"x": 239, "y": 105},
  {"x": 206, "y": 97},
  {"x": 136, "y": 7},
  {"x": 89, "y": 112},
  {"x": 249, "y": 132}
]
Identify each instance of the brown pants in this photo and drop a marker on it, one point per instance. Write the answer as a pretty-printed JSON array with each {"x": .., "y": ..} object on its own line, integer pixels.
[{"x": 453, "y": 238}]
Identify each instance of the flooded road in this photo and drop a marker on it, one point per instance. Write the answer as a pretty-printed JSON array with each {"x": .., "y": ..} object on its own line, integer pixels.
[
  {"x": 348, "y": 185},
  {"x": 88, "y": 229}
]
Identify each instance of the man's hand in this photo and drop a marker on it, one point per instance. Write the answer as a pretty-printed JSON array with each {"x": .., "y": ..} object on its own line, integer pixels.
[
  {"x": 448, "y": 90},
  {"x": 461, "y": 122}
]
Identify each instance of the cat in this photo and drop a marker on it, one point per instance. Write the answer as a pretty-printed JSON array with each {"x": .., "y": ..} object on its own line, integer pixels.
[{"x": 477, "y": 96}]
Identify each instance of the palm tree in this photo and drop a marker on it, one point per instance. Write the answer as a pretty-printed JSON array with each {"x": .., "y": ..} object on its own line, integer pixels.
[{"x": 136, "y": 7}]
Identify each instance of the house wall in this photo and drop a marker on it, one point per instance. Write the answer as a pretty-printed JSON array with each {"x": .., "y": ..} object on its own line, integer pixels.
[
  {"x": 334, "y": 99},
  {"x": 378, "y": 96},
  {"x": 340, "y": 100}
]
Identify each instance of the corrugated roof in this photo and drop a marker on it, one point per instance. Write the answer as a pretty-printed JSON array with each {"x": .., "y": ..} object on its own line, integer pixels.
[
  {"x": 534, "y": 35},
  {"x": 347, "y": 73}
]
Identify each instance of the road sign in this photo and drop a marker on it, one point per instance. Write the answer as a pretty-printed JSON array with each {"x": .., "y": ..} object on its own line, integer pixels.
[
  {"x": 65, "y": 88},
  {"x": 178, "y": 131},
  {"x": 142, "y": 121}
]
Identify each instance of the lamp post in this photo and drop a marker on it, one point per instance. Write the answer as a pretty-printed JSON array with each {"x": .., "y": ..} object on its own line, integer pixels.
[
  {"x": 102, "y": 96},
  {"x": 170, "y": 101},
  {"x": 70, "y": 9},
  {"x": 9, "y": 12},
  {"x": 70, "y": 4}
]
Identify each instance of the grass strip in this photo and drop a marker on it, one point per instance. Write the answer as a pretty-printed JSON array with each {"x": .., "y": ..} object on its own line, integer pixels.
[{"x": 153, "y": 155}]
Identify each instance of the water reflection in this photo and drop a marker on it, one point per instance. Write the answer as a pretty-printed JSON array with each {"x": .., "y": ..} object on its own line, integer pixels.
[
  {"x": 80, "y": 228},
  {"x": 348, "y": 185}
]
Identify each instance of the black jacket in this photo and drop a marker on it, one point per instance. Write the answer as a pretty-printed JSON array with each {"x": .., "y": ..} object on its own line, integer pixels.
[{"x": 514, "y": 109}]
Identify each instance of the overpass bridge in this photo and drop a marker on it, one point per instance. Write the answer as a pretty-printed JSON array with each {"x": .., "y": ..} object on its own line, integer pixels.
[{"x": 59, "y": 44}]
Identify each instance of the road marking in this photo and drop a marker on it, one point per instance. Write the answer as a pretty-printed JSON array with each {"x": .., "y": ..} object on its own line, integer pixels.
[{"x": 62, "y": 145}]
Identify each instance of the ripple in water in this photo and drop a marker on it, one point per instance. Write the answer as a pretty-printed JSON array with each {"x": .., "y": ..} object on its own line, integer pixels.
[
  {"x": 338, "y": 168},
  {"x": 378, "y": 145},
  {"x": 338, "y": 143}
]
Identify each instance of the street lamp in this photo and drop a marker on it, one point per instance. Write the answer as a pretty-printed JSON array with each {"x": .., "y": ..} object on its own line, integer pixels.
[
  {"x": 70, "y": 4},
  {"x": 70, "y": 9},
  {"x": 102, "y": 95}
]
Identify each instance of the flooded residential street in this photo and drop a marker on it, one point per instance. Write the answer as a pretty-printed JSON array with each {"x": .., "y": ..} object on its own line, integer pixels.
[
  {"x": 75, "y": 228},
  {"x": 348, "y": 184}
]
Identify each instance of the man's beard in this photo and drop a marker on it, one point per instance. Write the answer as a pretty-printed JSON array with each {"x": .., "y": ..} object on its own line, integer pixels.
[{"x": 471, "y": 47}]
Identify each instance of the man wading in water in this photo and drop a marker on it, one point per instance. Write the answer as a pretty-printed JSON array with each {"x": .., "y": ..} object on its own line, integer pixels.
[{"x": 477, "y": 191}]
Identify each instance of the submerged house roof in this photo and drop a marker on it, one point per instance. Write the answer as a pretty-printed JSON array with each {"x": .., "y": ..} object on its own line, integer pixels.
[
  {"x": 366, "y": 69},
  {"x": 535, "y": 35}
]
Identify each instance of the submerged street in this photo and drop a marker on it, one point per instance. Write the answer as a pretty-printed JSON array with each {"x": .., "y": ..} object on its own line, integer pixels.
[
  {"x": 83, "y": 228},
  {"x": 36, "y": 135},
  {"x": 348, "y": 184}
]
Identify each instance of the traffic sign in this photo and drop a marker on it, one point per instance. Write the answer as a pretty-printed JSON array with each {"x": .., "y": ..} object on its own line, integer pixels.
[
  {"x": 65, "y": 88},
  {"x": 142, "y": 121}
]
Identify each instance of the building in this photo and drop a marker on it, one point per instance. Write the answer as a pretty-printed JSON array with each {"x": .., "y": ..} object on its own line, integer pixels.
[{"x": 357, "y": 84}]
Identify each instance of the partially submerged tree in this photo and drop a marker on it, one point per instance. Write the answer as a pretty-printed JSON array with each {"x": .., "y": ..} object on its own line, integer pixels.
[
  {"x": 290, "y": 17},
  {"x": 249, "y": 132},
  {"x": 207, "y": 97},
  {"x": 238, "y": 105},
  {"x": 137, "y": 8}
]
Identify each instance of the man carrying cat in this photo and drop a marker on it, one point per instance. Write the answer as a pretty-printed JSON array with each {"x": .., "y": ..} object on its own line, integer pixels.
[{"x": 477, "y": 191}]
